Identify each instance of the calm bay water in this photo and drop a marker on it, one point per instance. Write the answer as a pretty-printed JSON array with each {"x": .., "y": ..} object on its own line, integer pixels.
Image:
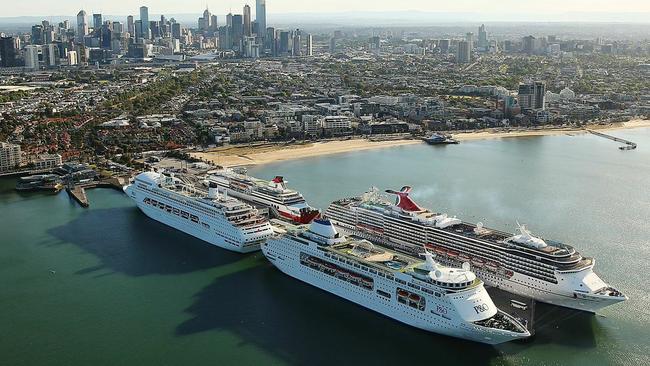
[{"x": 108, "y": 286}]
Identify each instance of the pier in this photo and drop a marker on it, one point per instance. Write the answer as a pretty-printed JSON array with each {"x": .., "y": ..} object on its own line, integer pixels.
[
  {"x": 628, "y": 145},
  {"x": 78, "y": 191}
]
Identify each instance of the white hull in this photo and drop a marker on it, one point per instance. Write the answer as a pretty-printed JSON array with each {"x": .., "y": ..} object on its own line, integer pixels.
[
  {"x": 216, "y": 231},
  {"x": 439, "y": 316}
]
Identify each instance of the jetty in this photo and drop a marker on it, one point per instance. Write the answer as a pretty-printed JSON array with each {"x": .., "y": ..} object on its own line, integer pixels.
[
  {"x": 78, "y": 191},
  {"x": 628, "y": 145}
]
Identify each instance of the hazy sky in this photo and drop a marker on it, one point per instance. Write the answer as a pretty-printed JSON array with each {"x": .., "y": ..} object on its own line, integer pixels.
[{"x": 124, "y": 7}]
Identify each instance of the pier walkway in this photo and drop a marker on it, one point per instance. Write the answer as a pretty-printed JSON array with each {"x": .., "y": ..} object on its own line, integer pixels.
[
  {"x": 78, "y": 191},
  {"x": 628, "y": 145}
]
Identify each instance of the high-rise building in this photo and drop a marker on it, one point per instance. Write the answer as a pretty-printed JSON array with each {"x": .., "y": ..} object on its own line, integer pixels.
[
  {"x": 464, "y": 54},
  {"x": 528, "y": 44},
  {"x": 52, "y": 55},
  {"x": 38, "y": 35},
  {"x": 309, "y": 50},
  {"x": 130, "y": 26},
  {"x": 205, "y": 21},
  {"x": 97, "y": 22},
  {"x": 532, "y": 95},
  {"x": 284, "y": 43},
  {"x": 176, "y": 30},
  {"x": 443, "y": 45},
  {"x": 248, "y": 31},
  {"x": 7, "y": 52},
  {"x": 482, "y": 37},
  {"x": 72, "y": 58},
  {"x": 237, "y": 31},
  {"x": 82, "y": 26},
  {"x": 144, "y": 19},
  {"x": 9, "y": 156},
  {"x": 297, "y": 50},
  {"x": 469, "y": 38},
  {"x": 31, "y": 57},
  {"x": 260, "y": 16}
]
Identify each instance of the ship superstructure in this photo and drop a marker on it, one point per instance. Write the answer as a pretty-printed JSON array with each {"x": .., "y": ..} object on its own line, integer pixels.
[
  {"x": 523, "y": 264},
  {"x": 275, "y": 195},
  {"x": 218, "y": 219},
  {"x": 419, "y": 292}
]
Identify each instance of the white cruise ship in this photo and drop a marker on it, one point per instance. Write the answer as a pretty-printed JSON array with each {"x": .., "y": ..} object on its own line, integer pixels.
[
  {"x": 218, "y": 219},
  {"x": 423, "y": 294},
  {"x": 275, "y": 195},
  {"x": 544, "y": 270}
]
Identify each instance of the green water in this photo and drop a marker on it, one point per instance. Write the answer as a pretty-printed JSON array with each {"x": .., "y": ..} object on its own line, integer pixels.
[{"x": 108, "y": 286}]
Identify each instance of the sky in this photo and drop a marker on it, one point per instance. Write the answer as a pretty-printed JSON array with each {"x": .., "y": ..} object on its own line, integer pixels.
[{"x": 11, "y": 8}]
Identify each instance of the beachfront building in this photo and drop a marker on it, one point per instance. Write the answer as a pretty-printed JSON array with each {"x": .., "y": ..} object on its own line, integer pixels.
[{"x": 9, "y": 156}]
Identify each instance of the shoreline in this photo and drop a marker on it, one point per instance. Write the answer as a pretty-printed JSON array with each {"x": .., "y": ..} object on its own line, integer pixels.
[{"x": 261, "y": 153}]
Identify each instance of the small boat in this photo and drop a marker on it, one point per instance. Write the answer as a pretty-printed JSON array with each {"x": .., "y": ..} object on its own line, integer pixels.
[
  {"x": 452, "y": 254},
  {"x": 509, "y": 273},
  {"x": 402, "y": 293},
  {"x": 492, "y": 266},
  {"x": 464, "y": 257},
  {"x": 440, "y": 251},
  {"x": 478, "y": 262},
  {"x": 439, "y": 139},
  {"x": 414, "y": 297}
]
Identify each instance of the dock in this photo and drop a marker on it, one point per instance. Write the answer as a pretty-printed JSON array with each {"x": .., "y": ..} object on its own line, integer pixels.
[
  {"x": 78, "y": 193},
  {"x": 627, "y": 145}
]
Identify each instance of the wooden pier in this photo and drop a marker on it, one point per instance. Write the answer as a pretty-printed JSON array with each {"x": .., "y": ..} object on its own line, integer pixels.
[{"x": 628, "y": 145}]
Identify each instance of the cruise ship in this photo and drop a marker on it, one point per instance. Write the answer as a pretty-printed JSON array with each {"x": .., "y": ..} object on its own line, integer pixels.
[
  {"x": 545, "y": 270},
  {"x": 420, "y": 293},
  {"x": 218, "y": 219},
  {"x": 286, "y": 203}
]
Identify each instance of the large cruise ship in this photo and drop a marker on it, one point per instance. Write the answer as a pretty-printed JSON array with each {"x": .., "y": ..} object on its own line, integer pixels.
[
  {"x": 523, "y": 264},
  {"x": 286, "y": 203},
  {"x": 421, "y": 293},
  {"x": 218, "y": 219}
]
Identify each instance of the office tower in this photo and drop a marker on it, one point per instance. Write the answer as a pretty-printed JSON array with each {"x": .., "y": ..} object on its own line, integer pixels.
[
  {"x": 144, "y": 22},
  {"x": 176, "y": 30},
  {"x": 31, "y": 57},
  {"x": 138, "y": 30},
  {"x": 333, "y": 45},
  {"x": 464, "y": 54},
  {"x": 7, "y": 52},
  {"x": 443, "y": 45},
  {"x": 269, "y": 41},
  {"x": 225, "y": 42},
  {"x": 247, "y": 21},
  {"x": 309, "y": 49},
  {"x": 154, "y": 29},
  {"x": 469, "y": 38},
  {"x": 213, "y": 23},
  {"x": 66, "y": 24},
  {"x": 105, "y": 36},
  {"x": 260, "y": 16},
  {"x": 37, "y": 34},
  {"x": 229, "y": 20},
  {"x": 237, "y": 31},
  {"x": 375, "y": 43},
  {"x": 82, "y": 26},
  {"x": 528, "y": 44},
  {"x": 97, "y": 22},
  {"x": 130, "y": 26},
  {"x": 205, "y": 21},
  {"x": 118, "y": 27},
  {"x": 297, "y": 51},
  {"x": 482, "y": 37},
  {"x": 52, "y": 55},
  {"x": 284, "y": 43}
]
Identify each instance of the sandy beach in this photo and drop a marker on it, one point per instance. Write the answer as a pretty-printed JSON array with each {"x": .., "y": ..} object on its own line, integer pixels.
[{"x": 241, "y": 155}]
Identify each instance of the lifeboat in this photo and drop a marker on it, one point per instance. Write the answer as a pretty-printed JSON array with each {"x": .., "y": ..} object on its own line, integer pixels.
[
  {"x": 464, "y": 257},
  {"x": 440, "y": 251},
  {"x": 492, "y": 266},
  {"x": 509, "y": 273},
  {"x": 414, "y": 297},
  {"x": 402, "y": 293},
  {"x": 452, "y": 254},
  {"x": 367, "y": 281}
]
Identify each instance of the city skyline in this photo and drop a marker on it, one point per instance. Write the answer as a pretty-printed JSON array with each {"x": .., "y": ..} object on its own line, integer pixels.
[{"x": 553, "y": 8}]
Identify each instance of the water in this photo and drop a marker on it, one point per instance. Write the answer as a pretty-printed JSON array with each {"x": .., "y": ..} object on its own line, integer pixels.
[{"x": 128, "y": 290}]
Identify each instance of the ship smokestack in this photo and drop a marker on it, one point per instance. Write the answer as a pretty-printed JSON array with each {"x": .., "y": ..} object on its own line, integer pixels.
[{"x": 213, "y": 191}]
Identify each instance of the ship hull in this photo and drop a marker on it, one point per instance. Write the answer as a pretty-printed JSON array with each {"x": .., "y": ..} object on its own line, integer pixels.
[
  {"x": 286, "y": 257},
  {"x": 218, "y": 232}
]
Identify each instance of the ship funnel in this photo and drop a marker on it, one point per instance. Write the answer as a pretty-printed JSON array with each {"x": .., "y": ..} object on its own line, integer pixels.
[{"x": 213, "y": 191}]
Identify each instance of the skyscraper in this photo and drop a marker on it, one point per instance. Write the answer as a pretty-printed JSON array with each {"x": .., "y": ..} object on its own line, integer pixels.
[
  {"x": 176, "y": 30},
  {"x": 540, "y": 95},
  {"x": 464, "y": 54},
  {"x": 482, "y": 37},
  {"x": 144, "y": 19},
  {"x": 260, "y": 16},
  {"x": 97, "y": 22},
  {"x": 247, "y": 21},
  {"x": 31, "y": 57},
  {"x": 237, "y": 31},
  {"x": 82, "y": 26},
  {"x": 309, "y": 49},
  {"x": 38, "y": 36},
  {"x": 297, "y": 50},
  {"x": 443, "y": 45},
  {"x": 7, "y": 52},
  {"x": 532, "y": 95},
  {"x": 130, "y": 25}
]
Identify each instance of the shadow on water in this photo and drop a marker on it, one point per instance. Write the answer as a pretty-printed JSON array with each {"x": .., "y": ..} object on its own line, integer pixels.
[
  {"x": 127, "y": 241},
  {"x": 558, "y": 325},
  {"x": 302, "y": 324}
]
